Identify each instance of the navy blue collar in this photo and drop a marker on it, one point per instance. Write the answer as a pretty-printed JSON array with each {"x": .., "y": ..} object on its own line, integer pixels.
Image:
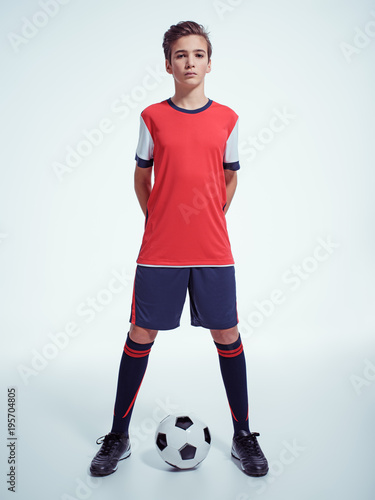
[{"x": 190, "y": 111}]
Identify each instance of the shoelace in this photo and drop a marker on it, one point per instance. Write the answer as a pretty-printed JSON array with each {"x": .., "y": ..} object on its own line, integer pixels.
[
  {"x": 250, "y": 443},
  {"x": 108, "y": 442}
]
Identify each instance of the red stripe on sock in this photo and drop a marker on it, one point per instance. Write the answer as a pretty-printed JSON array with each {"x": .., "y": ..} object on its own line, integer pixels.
[
  {"x": 234, "y": 416},
  {"x": 135, "y": 397},
  {"x": 231, "y": 353},
  {"x": 134, "y": 353}
]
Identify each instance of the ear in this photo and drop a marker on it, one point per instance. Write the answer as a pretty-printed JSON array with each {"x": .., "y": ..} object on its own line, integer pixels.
[
  {"x": 208, "y": 66},
  {"x": 168, "y": 67}
]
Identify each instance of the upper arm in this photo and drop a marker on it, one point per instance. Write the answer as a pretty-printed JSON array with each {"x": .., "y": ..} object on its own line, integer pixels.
[
  {"x": 231, "y": 156},
  {"x": 141, "y": 174},
  {"x": 144, "y": 155},
  {"x": 145, "y": 148},
  {"x": 230, "y": 176}
]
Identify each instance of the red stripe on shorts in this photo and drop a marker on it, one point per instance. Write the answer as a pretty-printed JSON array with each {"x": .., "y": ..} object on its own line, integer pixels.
[{"x": 133, "y": 305}]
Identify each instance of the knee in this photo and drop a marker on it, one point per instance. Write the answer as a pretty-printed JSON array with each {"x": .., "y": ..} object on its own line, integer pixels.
[
  {"x": 142, "y": 335},
  {"x": 227, "y": 336}
]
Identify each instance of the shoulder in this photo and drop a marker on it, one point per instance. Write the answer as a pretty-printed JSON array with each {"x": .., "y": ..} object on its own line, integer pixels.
[
  {"x": 224, "y": 115},
  {"x": 154, "y": 109},
  {"x": 224, "y": 110}
]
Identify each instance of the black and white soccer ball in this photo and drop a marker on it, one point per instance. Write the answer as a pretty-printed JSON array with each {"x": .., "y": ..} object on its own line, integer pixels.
[{"x": 182, "y": 441}]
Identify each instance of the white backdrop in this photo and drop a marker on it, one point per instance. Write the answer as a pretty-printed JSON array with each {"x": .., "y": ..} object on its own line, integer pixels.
[{"x": 75, "y": 77}]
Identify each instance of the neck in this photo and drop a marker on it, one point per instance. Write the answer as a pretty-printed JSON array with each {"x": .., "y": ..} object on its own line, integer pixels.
[{"x": 190, "y": 98}]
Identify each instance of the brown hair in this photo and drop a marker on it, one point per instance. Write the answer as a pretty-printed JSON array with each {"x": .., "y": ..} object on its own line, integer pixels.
[{"x": 184, "y": 28}]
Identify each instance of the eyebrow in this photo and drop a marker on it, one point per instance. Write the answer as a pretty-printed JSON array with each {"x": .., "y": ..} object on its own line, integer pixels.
[{"x": 196, "y": 50}]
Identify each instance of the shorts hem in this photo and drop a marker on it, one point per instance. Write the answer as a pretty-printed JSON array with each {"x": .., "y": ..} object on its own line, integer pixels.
[
  {"x": 225, "y": 327},
  {"x": 153, "y": 327}
]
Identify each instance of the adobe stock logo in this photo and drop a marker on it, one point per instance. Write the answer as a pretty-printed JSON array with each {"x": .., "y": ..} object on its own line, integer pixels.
[
  {"x": 83, "y": 488},
  {"x": 366, "y": 378},
  {"x": 290, "y": 452},
  {"x": 141, "y": 431},
  {"x": 199, "y": 200},
  {"x": 31, "y": 27},
  {"x": 362, "y": 38},
  {"x": 222, "y": 7},
  {"x": 294, "y": 276},
  {"x": 91, "y": 138},
  {"x": 255, "y": 144},
  {"x": 95, "y": 304}
]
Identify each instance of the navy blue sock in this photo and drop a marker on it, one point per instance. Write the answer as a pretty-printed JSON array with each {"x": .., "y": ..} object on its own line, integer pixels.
[
  {"x": 233, "y": 371},
  {"x": 132, "y": 369}
]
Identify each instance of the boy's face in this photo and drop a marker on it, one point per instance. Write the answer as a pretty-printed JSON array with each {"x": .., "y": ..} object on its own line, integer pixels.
[{"x": 189, "y": 60}]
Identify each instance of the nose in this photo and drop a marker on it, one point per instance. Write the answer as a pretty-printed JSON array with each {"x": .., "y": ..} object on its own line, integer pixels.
[{"x": 190, "y": 61}]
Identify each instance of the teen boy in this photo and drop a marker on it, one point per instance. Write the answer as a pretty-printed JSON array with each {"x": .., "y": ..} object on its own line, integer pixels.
[{"x": 192, "y": 143}]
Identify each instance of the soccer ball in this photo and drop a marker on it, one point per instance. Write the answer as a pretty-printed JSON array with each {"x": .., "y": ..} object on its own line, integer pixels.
[{"x": 182, "y": 441}]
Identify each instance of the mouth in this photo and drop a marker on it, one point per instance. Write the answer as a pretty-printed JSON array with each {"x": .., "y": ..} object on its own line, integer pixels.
[{"x": 190, "y": 74}]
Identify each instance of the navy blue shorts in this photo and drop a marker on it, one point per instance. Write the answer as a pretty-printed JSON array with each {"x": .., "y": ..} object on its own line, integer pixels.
[{"x": 159, "y": 295}]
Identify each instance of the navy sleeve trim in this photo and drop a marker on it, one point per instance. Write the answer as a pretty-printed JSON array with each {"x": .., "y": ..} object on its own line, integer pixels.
[
  {"x": 144, "y": 163},
  {"x": 235, "y": 165}
]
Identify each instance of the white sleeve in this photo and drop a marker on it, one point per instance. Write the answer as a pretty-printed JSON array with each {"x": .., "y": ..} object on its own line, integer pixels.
[
  {"x": 145, "y": 150},
  {"x": 231, "y": 157}
]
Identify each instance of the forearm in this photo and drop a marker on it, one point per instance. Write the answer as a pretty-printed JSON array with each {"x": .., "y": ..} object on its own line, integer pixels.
[
  {"x": 143, "y": 193},
  {"x": 231, "y": 185},
  {"x": 142, "y": 187}
]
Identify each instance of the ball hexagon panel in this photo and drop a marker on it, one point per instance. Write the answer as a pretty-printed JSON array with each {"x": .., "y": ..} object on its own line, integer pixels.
[
  {"x": 183, "y": 422},
  {"x": 207, "y": 435},
  {"x": 187, "y": 452},
  {"x": 161, "y": 441},
  {"x": 182, "y": 441}
]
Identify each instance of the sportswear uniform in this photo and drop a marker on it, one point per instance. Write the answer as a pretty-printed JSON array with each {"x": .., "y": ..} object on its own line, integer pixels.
[{"x": 185, "y": 224}]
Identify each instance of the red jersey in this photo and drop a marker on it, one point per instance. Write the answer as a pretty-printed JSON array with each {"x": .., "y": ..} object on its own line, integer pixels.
[{"x": 185, "y": 224}]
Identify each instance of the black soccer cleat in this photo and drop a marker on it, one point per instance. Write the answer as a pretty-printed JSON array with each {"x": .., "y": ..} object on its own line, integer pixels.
[
  {"x": 115, "y": 447},
  {"x": 245, "y": 447}
]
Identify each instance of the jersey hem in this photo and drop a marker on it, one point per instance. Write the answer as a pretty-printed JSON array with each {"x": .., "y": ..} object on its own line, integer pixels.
[{"x": 186, "y": 265}]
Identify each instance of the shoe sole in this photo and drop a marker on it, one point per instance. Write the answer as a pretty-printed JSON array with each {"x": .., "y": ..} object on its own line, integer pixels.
[
  {"x": 98, "y": 474},
  {"x": 252, "y": 474}
]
